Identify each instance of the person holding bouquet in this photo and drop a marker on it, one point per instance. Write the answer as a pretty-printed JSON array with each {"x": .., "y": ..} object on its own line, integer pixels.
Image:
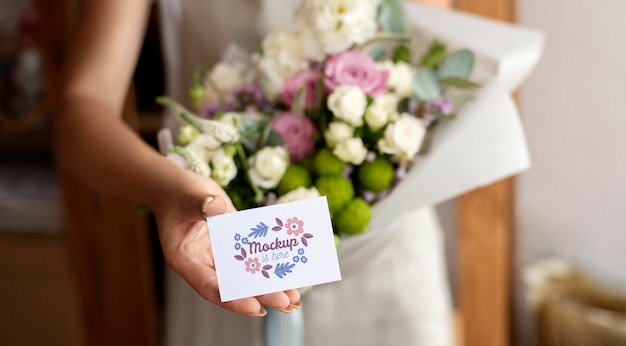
[{"x": 380, "y": 304}]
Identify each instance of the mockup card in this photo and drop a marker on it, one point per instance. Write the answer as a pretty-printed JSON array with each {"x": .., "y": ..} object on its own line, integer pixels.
[{"x": 274, "y": 248}]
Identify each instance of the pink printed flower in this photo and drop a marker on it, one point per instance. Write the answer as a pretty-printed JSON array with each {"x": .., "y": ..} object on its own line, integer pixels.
[
  {"x": 294, "y": 226},
  {"x": 253, "y": 265},
  {"x": 307, "y": 79},
  {"x": 298, "y": 133},
  {"x": 355, "y": 68}
]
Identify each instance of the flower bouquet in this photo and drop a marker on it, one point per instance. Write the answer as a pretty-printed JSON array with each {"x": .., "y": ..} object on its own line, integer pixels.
[{"x": 339, "y": 104}]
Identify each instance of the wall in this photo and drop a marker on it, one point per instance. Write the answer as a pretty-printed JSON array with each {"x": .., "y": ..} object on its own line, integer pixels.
[{"x": 572, "y": 203}]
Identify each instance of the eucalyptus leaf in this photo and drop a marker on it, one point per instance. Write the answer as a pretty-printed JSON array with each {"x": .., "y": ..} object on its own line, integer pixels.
[
  {"x": 377, "y": 52},
  {"x": 456, "y": 82},
  {"x": 392, "y": 17},
  {"x": 458, "y": 64},
  {"x": 425, "y": 84},
  {"x": 274, "y": 139}
]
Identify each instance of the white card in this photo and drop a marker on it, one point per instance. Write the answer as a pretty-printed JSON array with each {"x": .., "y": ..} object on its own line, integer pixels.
[{"x": 274, "y": 248}]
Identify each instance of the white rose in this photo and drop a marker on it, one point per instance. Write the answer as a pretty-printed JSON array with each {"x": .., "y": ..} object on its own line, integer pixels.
[
  {"x": 223, "y": 168},
  {"x": 338, "y": 132},
  {"x": 298, "y": 195},
  {"x": 400, "y": 79},
  {"x": 343, "y": 23},
  {"x": 404, "y": 137},
  {"x": 348, "y": 102},
  {"x": 381, "y": 111},
  {"x": 267, "y": 166},
  {"x": 352, "y": 151}
]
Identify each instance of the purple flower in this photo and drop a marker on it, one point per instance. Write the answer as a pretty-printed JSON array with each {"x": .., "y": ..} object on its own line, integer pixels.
[
  {"x": 442, "y": 106},
  {"x": 355, "y": 68},
  {"x": 298, "y": 133},
  {"x": 247, "y": 96},
  {"x": 428, "y": 119},
  {"x": 307, "y": 79}
]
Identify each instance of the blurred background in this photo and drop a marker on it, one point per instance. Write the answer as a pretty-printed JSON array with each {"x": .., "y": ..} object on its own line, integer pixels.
[{"x": 537, "y": 260}]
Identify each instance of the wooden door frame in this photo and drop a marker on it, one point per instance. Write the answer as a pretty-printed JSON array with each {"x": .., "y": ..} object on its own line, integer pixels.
[{"x": 485, "y": 238}]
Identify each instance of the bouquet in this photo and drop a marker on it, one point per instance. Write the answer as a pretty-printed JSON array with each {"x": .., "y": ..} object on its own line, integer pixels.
[{"x": 340, "y": 104}]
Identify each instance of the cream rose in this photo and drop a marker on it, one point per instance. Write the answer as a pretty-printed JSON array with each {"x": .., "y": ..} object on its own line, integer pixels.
[
  {"x": 381, "y": 111},
  {"x": 267, "y": 166},
  {"x": 348, "y": 102},
  {"x": 351, "y": 151},
  {"x": 298, "y": 195},
  {"x": 403, "y": 138},
  {"x": 400, "y": 79},
  {"x": 338, "y": 132}
]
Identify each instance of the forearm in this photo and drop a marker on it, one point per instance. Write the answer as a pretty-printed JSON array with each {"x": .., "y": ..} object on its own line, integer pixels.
[
  {"x": 94, "y": 144},
  {"x": 436, "y": 3}
]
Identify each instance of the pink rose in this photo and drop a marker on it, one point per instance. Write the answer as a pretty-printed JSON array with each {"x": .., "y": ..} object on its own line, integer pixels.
[
  {"x": 355, "y": 68},
  {"x": 307, "y": 79},
  {"x": 298, "y": 133}
]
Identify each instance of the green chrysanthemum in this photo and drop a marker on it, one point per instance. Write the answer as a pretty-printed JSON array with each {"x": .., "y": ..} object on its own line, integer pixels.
[
  {"x": 376, "y": 175},
  {"x": 326, "y": 163},
  {"x": 295, "y": 176},
  {"x": 354, "y": 218},
  {"x": 337, "y": 189}
]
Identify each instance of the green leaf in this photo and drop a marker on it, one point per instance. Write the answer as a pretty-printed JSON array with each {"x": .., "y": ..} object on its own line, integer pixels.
[
  {"x": 402, "y": 53},
  {"x": 425, "y": 84},
  {"x": 392, "y": 17},
  {"x": 377, "y": 52},
  {"x": 458, "y": 64},
  {"x": 274, "y": 139},
  {"x": 436, "y": 52},
  {"x": 460, "y": 83}
]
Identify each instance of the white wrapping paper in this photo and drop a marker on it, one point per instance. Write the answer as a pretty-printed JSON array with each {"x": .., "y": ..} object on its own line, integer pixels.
[{"x": 485, "y": 143}]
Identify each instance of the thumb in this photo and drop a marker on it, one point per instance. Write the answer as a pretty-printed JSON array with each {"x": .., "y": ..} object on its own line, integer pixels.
[{"x": 212, "y": 205}]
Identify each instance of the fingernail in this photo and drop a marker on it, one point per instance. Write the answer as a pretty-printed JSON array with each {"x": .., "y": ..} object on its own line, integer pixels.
[
  {"x": 297, "y": 305},
  {"x": 206, "y": 202},
  {"x": 261, "y": 313},
  {"x": 287, "y": 310}
]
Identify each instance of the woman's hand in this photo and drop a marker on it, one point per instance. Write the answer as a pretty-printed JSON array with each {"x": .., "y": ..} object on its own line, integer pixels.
[{"x": 187, "y": 247}]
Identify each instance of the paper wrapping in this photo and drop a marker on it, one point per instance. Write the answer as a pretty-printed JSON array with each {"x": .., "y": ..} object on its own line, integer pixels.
[{"x": 485, "y": 142}]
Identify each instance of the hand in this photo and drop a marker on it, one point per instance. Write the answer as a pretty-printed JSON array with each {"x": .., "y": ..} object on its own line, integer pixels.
[{"x": 187, "y": 247}]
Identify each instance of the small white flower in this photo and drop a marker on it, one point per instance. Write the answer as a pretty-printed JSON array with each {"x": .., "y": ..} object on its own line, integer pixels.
[
  {"x": 298, "y": 195},
  {"x": 381, "y": 111},
  {"x": 229, "y": 75},
  {"x": 187, "y": 134},
  {"x": 403, "y": 138},
  {"x": 203, "y": 146},
  {"x": 348, "y": 102},
  {"x": 283, "y": 56},
  {"x": 342, "y": 23},
  {"x": 338, "y": 132},
  {"x": 400, "y": 79},
  {"x": 267, "y": 166},
  {"x": 351, "y": 151},
  {"x": 223, "y": 168}
]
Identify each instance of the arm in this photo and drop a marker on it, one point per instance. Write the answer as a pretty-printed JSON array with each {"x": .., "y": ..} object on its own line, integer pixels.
[
  {"x": 95, "y": 144},
  {"x": 435, "y": 3}
]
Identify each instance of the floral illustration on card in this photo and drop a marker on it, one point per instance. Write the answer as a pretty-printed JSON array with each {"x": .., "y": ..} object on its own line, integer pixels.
[{"x": 275, "y": 253}]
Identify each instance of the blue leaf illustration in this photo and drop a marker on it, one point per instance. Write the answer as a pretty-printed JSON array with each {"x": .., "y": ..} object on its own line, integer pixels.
[
  {"x": 259, "y": 231},
  {"x": 282, "y": 269}
]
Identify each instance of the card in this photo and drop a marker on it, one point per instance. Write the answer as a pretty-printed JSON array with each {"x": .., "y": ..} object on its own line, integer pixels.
[{"x": 274, "y": 248}]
